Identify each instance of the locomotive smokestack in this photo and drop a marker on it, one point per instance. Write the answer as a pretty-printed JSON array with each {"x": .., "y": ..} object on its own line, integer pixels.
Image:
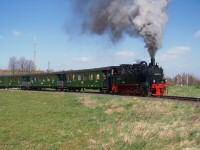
[{"x": 153, "y": 61}]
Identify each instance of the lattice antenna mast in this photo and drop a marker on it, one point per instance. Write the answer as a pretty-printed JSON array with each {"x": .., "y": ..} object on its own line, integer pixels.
[{"x": 35, "y": 49}]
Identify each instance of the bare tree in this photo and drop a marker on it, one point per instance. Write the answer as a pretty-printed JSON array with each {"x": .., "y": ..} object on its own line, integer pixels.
[
  {"x": 12, "y": 64},
  {"x": 30, "y": 66},
  {"x": 186, "y": 79},
  {"x": 22, "y": 65}
]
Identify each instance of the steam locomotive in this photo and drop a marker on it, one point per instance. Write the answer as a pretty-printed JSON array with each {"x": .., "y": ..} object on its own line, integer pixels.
[
  {"x": 139, "y": 79},
  {"x": 133, "y": 79}
]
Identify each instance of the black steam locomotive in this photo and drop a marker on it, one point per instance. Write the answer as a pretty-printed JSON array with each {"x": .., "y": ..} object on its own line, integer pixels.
[{"x": 139, "y": 79}]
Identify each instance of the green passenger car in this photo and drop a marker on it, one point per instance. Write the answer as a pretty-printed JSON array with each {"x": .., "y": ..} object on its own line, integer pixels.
[
  {"x": 31, "y": 81},
  {"x": 10, "y": 81},
  {"x": 4, "y": 82},
  {"x": 43, "y": 81},
  {"x": 89, "y": 79},
  {"x": 69, "y": 80}
]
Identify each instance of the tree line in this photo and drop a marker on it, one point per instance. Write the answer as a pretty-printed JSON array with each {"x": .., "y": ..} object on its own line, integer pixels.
[
  {"x": 184, "y": 79},
  {"x": 21, "y": 65}
]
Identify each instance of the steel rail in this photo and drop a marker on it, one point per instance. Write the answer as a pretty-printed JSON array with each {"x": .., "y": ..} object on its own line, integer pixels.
[
  {"x": 192, "y": 99},
  {"x": 179, "y": 98}
]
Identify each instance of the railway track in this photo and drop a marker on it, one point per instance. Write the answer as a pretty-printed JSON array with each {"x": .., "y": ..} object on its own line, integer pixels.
[
  {"x": 180, "y": 98},
  {"x": 194, "y": 100},
  {"x": 177, "y": 98}
]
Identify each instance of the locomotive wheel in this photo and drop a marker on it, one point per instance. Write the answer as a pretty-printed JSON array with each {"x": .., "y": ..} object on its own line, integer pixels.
[
  {"x": 79, "y": 89},
  {"x": 146, "y": 93}
]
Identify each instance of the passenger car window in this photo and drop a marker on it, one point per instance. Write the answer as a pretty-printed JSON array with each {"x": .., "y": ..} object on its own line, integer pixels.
[
  {"x": 79, "y": 77},
  {"x": 91, "y": 77},
  {"x": 98, "y": 77},
  {"x": 74, "y": 76}
]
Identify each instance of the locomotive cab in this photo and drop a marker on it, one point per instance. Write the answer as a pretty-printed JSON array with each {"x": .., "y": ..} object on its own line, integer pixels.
[{"x": 130, "y": 79}]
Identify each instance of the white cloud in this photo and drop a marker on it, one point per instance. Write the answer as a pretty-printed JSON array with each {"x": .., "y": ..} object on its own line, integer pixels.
[
  {"x": 82, "y": 59},
  {"x": 175, "y": 53},
  {"x": 16, "y": 33},
  {"x": 125, "y": 54},
  {"x": 197, "y": 34}
]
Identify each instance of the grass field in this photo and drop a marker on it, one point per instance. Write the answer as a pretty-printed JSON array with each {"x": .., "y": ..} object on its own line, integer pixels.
[
  {"x": 53, "y": 121},
  {"x": 190, "y": 91}
]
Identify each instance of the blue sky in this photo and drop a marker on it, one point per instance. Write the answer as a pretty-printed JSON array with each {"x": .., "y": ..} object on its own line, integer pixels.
[{"x": 55, "y": 27}]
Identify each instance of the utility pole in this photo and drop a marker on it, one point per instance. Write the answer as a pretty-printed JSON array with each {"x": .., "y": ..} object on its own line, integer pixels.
[
  {"x": 49, "y": 63},
  {"x": 187, "y": 79},
  {"x": 181, "y": 80}
]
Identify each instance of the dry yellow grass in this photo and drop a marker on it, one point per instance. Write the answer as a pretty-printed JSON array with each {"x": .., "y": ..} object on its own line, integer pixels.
[
  {"x": 114, "y": 109},
  {"x": 162, "y": 121},
  {"x": 42, "y": 120},
  {"x": 88, "y": 102}
]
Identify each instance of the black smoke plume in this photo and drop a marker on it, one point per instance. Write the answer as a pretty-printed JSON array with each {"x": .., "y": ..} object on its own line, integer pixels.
[{"x": 143, "y": 18}]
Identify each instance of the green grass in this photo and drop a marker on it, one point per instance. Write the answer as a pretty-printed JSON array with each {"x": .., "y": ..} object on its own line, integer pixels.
[
  {"x": 53, "y": 121},
  {"x": 188, "y": 91}
]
